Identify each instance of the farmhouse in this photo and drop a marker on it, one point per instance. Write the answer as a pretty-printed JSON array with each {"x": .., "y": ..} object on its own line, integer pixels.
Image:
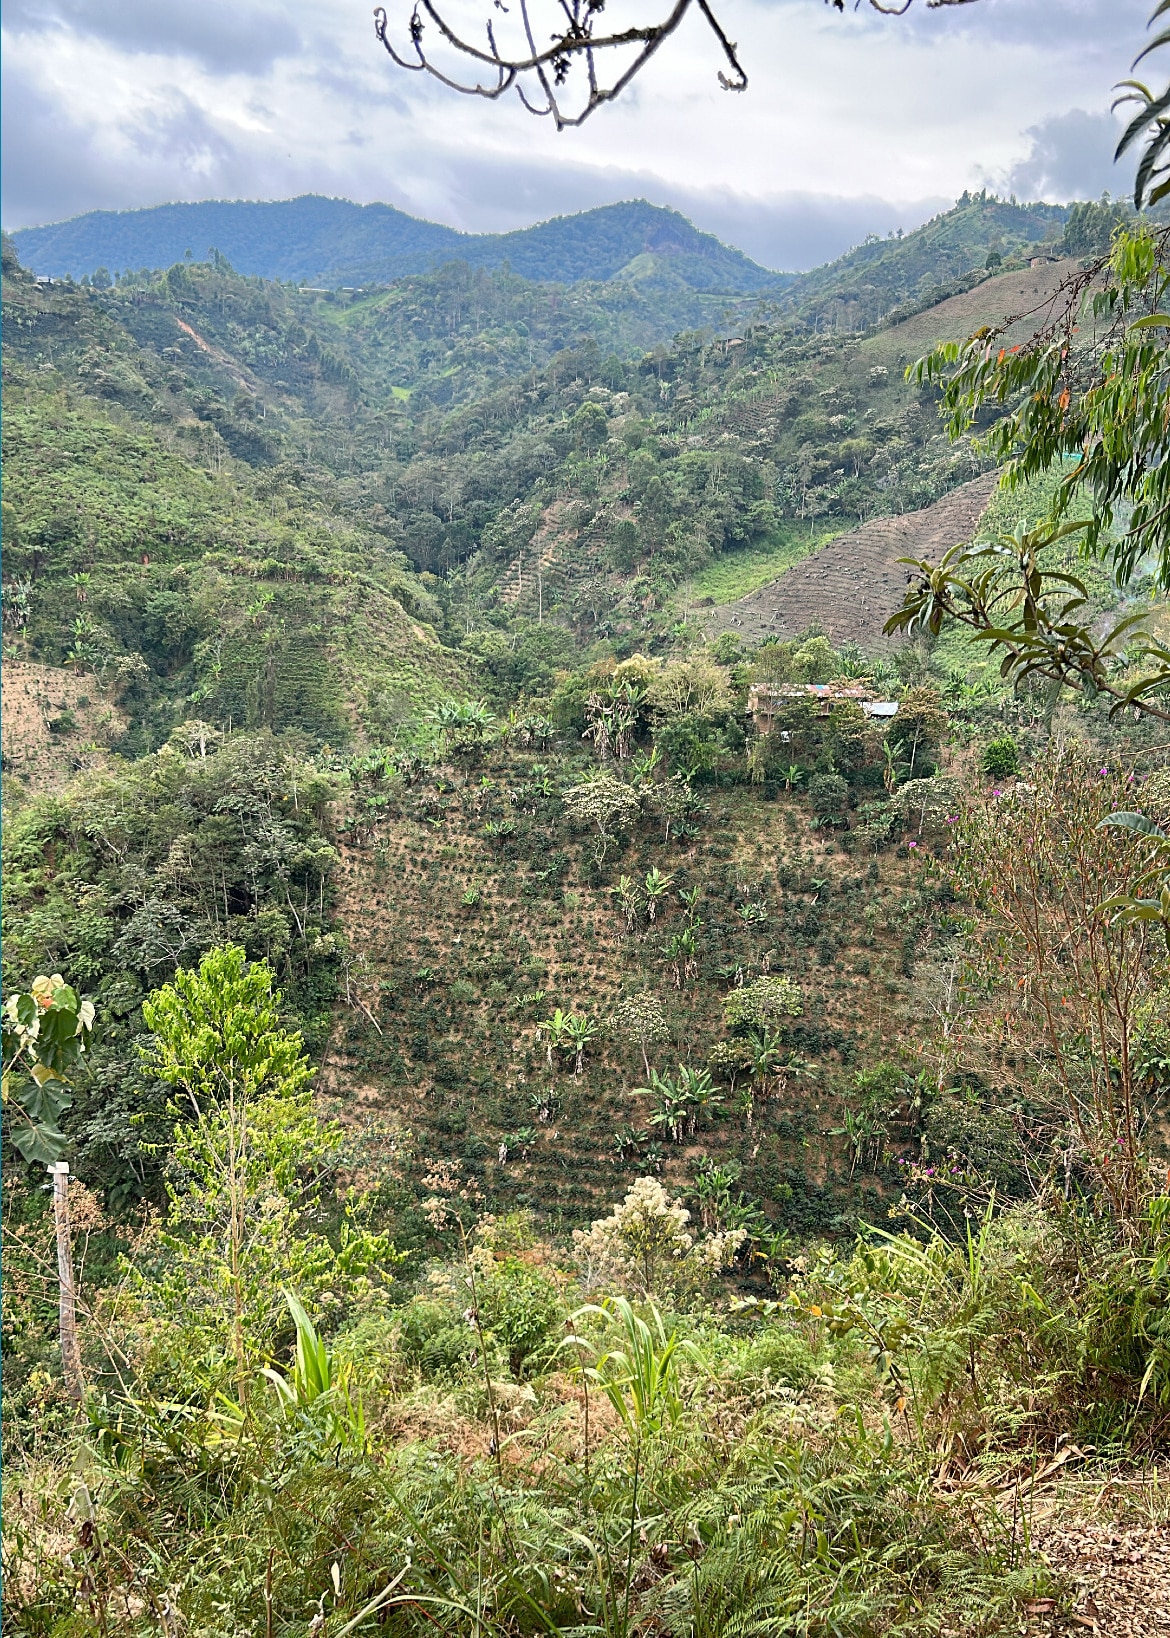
[{"x": 766, "y": 699}]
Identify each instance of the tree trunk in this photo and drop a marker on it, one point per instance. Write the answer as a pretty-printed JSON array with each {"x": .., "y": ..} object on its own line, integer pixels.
[{"x": 70, "y": 1348}]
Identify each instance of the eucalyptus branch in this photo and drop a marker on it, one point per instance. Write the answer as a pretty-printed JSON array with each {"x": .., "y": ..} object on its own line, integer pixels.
[{"x": 1002, "y": 593}]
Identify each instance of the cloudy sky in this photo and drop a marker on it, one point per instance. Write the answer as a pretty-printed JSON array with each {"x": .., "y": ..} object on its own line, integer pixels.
[{"x": 852, "y": 124}]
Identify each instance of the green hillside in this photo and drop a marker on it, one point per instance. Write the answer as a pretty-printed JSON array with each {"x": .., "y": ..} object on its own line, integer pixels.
[
  {"x": 587, "y": 1128},
  {"x": 320, "y": 241},
  {"x": 919, "y": 268}
]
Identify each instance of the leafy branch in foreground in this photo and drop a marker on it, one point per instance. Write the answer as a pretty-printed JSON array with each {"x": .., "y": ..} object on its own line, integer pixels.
[
  {"x": 1085, "y": 398},
  {"x": 1133, "y": 906},
  {"x": 1029, "y": 613},
  {"x": 1152, "y": 120},
  {"x": 46, "y": 1033}
]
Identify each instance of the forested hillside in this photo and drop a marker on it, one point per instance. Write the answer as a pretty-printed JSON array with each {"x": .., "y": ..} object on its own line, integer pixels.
[
  {"x": 333, "y": 242},
  {"x": 594, "y": 1104}
]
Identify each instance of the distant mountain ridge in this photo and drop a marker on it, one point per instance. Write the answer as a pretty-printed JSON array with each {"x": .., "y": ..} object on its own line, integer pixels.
[{"x": 333, "y": 242}]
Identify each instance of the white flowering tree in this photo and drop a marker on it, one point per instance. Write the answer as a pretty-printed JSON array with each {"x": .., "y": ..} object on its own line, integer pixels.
[{"x": 645, "y": 1247}]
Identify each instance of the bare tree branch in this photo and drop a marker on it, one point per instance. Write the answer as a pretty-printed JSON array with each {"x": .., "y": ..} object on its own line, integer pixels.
[{"x": 543, "y": 77}]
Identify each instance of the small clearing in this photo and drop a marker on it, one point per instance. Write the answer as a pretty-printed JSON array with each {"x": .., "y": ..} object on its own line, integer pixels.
[{"x": 56, "y": 724}]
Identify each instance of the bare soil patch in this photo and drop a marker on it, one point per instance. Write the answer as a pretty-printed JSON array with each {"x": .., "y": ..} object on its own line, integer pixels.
[{"x": 56, "y": 724}]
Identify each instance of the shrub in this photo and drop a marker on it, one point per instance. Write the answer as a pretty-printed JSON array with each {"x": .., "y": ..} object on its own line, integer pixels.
[
  {"x": 520, "y": 1307},
  {"x": 436, "y": 1341},
  {"x": 775, "y": 1358},
  {"x": 766, "y": 1001},
  {"x": 1001, "y": 758},
  {"x": 829, "y": 795}
]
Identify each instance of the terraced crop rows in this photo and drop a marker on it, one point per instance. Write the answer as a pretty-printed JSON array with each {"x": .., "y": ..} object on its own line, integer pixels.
[{"x": 851, "y": 586}]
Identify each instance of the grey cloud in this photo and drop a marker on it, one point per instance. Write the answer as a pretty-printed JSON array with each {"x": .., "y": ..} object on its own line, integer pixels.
[
  {"x": 789, "y": 231},
  {"x": 48, "y": 167},
  {"x": 1116, "y": 27},
  {"x": 226, "y": 36},
  {"x": 1071, "y": 157}
]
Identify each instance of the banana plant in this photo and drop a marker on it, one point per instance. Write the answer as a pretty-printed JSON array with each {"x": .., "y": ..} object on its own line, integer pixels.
[
  {"x": 579, "y": 1031},
  {"x": 631, "y": 900},
  {"x": 656, "y": 886},
  {"x": 682, "y": 952},
  {"x": 553, "y": 1032}
]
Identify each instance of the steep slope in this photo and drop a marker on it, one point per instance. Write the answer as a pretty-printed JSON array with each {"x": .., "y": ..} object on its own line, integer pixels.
[
  {"x": 850, "y": 587},
  {"x": 870, "y": 281},
  {"x": 145, "y": 550},
  {"x": 334, "y": 242}
]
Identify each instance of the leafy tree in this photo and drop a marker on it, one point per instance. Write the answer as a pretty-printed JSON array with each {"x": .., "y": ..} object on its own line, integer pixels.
[
  {"x": 764, "y": 1003},
  {"x": 641, "y": 1020},
  {"x": 46, "y": 1032},
  {"x": 519, "y": 1307},
  {"x": 644, "y": 1246},
  {"x": 1057, "y": 977},
  {"x": 249, "y": 1155},
  {"x": 606, "y": 805},
  {"x": 829, "y": 795}
]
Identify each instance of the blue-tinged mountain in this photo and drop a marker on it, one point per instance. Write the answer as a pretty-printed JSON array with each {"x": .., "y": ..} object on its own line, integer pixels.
[{"x": 332, "y": 242}]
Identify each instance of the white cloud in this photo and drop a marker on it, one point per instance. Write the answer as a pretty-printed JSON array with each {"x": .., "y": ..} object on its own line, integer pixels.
[{"x": 851, "y": 124}]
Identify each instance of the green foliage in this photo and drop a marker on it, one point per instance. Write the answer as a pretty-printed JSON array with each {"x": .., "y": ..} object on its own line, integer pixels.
[
  {"x": 519, "y": 1307},
  {"x": 1001, "y": 758},
  {"x": 1091, "y": 411},
  {"x": 765, "y": 1002},
  {"x": 217, "y": 1035},
  {"x": 46, "y": 1033},
  {"x": 129, "y": 874},
  {"x": 248, "y": 1158}
]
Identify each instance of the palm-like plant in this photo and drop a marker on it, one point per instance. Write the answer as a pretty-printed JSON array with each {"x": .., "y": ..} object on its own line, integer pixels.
[
  {"x": 681, "y": 951},
  {"x": 656, "y": 886},
  {"x": 680, "y": 1100},
  {"x": 579, "y": 1031},
  {"x": 631, "y": 900},
  {"x": 553, "y": 1031},
  {"x": 766, "y": 1056},
  {"x": 669, "y": 1113}
]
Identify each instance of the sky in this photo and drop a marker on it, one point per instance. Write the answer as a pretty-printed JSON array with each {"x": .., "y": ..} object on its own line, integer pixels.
[{"x": 851, "y": 124}]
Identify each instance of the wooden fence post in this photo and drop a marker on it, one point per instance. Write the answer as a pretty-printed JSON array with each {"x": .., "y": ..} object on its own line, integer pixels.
[{"x": 70, "y": 1349}]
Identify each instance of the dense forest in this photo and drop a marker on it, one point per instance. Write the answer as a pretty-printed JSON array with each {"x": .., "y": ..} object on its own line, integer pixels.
[{"x": 576, "y": 1123}]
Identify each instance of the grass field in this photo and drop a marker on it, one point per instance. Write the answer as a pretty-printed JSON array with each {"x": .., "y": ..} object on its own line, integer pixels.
[{"x": 737, "y": 573}]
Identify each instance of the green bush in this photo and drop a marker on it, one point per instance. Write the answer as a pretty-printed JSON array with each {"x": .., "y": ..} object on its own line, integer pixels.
[
  {"x": 437, "y": 1341},
  {"x": 776, "y": 1358},
  {"x": 520, "y": 1308},
  {"x": 829, "y": 795},
  {"x": 1001, "y": 758}
]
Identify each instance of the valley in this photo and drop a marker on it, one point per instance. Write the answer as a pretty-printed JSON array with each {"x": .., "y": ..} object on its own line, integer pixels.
[{"x": 623, "y": 1096}]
